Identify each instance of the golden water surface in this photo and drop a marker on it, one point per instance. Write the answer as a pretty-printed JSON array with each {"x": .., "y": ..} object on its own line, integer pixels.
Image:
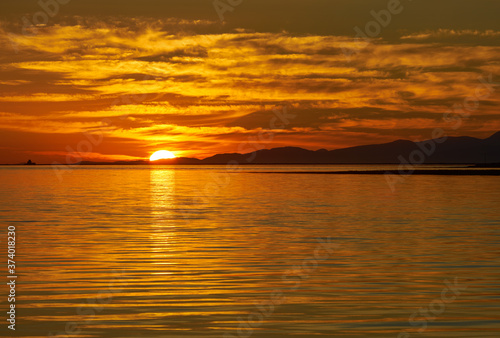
[{"x": 205, "y": 252}]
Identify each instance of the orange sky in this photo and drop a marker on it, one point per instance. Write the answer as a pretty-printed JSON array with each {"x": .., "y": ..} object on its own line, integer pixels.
[{"x": 189, "y": 83}]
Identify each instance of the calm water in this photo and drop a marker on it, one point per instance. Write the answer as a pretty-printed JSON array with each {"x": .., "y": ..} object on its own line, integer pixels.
[{"x": 196, "y": 252}]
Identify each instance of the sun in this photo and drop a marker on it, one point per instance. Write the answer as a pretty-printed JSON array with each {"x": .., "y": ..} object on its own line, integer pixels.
[{"x": 162, "y": 154}]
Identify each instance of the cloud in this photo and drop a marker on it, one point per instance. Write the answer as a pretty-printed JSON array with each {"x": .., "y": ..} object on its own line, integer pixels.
[
  {"x": 464, "y": 36},
  {"x": 168, "y": 82}
]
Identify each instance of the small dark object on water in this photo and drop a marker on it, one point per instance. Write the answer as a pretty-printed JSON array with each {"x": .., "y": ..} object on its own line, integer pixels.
[{"x": 30, "y": 163}]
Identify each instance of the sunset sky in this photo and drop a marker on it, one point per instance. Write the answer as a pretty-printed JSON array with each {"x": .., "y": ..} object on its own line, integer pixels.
[{"x": 159, "y": 74}]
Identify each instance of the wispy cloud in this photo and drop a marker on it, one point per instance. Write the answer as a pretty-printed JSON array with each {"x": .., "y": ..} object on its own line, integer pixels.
[
  {"x": 165, "y": 82},
  {"x": 446, "y": 33}
]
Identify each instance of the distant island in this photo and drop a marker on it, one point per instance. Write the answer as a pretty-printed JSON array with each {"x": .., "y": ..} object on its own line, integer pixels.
[{"x": 453, "y": 150}]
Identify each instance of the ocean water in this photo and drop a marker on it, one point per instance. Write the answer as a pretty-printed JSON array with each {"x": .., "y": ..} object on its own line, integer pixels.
[{"x": 206, "y": 251}]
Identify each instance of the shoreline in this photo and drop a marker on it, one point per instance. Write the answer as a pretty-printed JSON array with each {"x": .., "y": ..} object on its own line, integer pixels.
[{"x": 442, "y": 172}]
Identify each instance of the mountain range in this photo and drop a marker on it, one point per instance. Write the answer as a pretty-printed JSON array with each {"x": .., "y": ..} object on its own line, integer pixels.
[{"x": 452, "y": 150}]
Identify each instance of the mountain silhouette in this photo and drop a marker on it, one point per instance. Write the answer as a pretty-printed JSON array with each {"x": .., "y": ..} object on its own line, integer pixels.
[{"x": 453, "y": 150}]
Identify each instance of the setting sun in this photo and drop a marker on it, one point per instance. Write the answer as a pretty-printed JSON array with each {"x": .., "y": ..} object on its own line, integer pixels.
[{"x": 162, "y": 154}]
